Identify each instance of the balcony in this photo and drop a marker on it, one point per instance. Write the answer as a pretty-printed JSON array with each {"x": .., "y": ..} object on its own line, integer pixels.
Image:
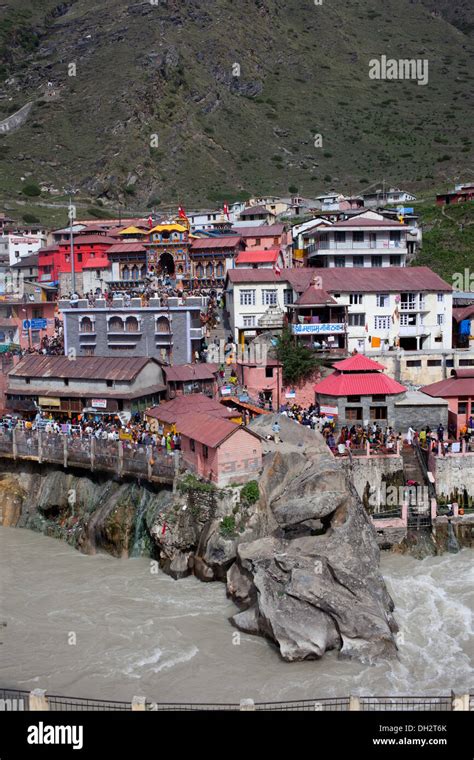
[
  {"x": 413, "y": 331},
  {"x": 413, "y": 306},
  {"x": 350, "y": 245}
]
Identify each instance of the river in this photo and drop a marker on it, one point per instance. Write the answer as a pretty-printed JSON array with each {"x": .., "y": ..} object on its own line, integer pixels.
[{"x": 138, "y": 632}]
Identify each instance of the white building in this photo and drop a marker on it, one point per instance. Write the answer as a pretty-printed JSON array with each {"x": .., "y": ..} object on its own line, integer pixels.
[
  {"x": 365, "y": 240},
  {"x": 403, "y": 307},
  {"x": 22, "y": 245},
  {"x": 387, "y": 197}
]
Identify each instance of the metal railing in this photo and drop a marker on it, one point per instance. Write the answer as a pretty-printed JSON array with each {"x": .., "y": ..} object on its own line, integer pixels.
[{"x": 14, "y": 700}]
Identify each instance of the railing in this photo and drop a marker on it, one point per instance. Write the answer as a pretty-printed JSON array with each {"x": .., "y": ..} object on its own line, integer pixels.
[
  {"x": 123, "y": 458},
  {"x": 12, "y": 700}
]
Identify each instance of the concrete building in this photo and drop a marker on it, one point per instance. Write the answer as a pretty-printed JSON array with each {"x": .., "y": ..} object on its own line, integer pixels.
[
  {"x": 84, "y": 385},
  {"x": 219, "y": 450},
  {"x": 170, "y": 333},
  {"x": 359, "y": 393},
  {"x": 409, "y": 308},
  {"x": 360, "y": 242},
  {"x": 458, "y": 391},
  {"x": 186, "y": 379}
]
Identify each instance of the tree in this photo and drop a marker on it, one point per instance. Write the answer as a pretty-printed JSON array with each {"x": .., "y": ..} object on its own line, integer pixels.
[
  {"x": 299, "y": 362},
  {"x": 31, "y": 190}
]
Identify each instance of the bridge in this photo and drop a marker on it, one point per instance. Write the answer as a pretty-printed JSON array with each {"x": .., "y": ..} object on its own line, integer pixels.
[{"x": 119, "y": 458}]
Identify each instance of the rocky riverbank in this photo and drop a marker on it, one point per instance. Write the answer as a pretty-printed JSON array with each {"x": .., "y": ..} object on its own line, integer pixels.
[{"x": 297, "y": 550}]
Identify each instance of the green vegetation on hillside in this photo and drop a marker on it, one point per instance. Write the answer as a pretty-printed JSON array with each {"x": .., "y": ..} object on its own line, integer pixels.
[
  {"x": 188, "y": 101},
  {"x": 448, "y": 239}
]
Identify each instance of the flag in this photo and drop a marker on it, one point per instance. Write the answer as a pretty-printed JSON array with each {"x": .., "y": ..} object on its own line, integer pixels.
[
  {"x": 276, "y": 268},
  {"x": 182, "y": 213},
  {"x": 150, "y": 221},
  {"x": 226, "y": 210}
]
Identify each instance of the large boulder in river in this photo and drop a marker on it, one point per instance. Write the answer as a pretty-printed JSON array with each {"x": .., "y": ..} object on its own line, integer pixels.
[{"x": 314, "y": 584}]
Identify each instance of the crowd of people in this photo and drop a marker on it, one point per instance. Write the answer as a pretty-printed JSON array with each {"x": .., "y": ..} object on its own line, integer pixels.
[{"x": 136, "y": 434}]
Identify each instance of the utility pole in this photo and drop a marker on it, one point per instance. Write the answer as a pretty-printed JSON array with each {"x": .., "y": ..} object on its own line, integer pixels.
[{"x": 71, "y": 241}]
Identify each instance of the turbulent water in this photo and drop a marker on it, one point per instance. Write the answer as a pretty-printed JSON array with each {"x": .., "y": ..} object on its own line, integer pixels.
[{"x": 141, "y": 633}]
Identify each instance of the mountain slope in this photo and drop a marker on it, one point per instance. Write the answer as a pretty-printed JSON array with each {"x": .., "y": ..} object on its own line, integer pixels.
[{"x": 166, "y": 73}]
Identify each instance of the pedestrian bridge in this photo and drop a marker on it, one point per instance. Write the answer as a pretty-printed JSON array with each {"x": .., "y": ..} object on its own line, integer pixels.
[{"x": 119, "y": 458}]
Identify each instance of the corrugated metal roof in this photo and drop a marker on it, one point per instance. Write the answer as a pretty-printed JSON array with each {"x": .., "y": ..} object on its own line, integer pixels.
[
  {"x": 315, "y": 296},
  {"x": 258, "y": 257},
  {"x": 206, "y": 429},
  {"x": 350, "y": 279},
  {"x": 264, "y": 230},
  {"x": 126, "y": 248},
  {"x": 463, "y": 312},
  {"x": 27, "y": 261},
  {"x": 461, "y": 384},
  {"x": 170, "y": 411},
  {"x": 358, "y": 363},
  {"x": 94, "y": 240},
  {"x": 88, "y": 367},
  {"x": 99, "y": 263},
  {"x": 252, "y": 210},
  {"x": 363, "y": 384},
  {"x": 223, "y": 241},
  {"x": 188, "y": 372},
  {"x": 367, "y": 222}
]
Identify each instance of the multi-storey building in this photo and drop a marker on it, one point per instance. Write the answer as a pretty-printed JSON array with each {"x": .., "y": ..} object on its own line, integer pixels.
[
  {"x": 170, "y": 333},
  {"x": 387, "y": 308},
  {"x": 360, "y": 242}
]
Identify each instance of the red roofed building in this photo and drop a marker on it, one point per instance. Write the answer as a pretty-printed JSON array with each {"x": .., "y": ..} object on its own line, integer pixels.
[
  {"x": 185, "y": 379},
  {"x": 212, "y": 257},
  {"x": 260, "y": 259},
  {"x": 364, "y": 241},
  {"x": 458, "y": 390},
  {"x": 167, "y": 415},
  {"x": 219, "y": 450},
  {"x": 90, "y": 253},
  {"x": 358, "y": 392}
]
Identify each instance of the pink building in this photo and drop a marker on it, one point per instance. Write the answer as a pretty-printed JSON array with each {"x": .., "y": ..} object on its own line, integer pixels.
[
  {"x": 458, "y": 390},
  {"x": 268, "y": 379},
  {"x": 219, "y": 450}
]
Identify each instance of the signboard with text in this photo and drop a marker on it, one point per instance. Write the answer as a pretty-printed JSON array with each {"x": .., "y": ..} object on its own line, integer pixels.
[
  {"x": 319, "y": 328},
  {"x": 99, "y": 403}
]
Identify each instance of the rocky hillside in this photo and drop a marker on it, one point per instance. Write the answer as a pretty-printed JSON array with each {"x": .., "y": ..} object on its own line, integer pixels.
[{"x": 204, "y": 100}]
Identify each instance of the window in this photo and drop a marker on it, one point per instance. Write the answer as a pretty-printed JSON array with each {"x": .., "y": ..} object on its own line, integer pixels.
[
  {"x": 339, "y": 262},
  {"x": 192, "y": 444},
  {"x": 88, "y": 350},
  {"x": 378, "y": 412},
  {"x": 287, "y": 297},
  {"x": 440, "y": 319},
  {"x": 357, "y": 261},
  {"x": 464, "y": 363},
  {"x": 378, "y": 397},
  {"x": 340, "y": 237},
  {"x": 382, "y": 323},
  {"x": 462, "y": 407},
  {"x": 440, "y": 297},
  {"x": 407, "y": 319},
  {"x": 269, "y": 297},
  {"x": 450, "y": 362},
  {"x": 413, "y": 362},
  {"x": 353, "y": 413},
  {"x": 376, "y": 261},
  {"x": 86, "y": 325},
  {"x": 220, "y": 270},
  {"x": 247, "y": 297},
  {"x": 356, "y": 320},
  {"x": 434, "y": 362},
  {"x": 205, "y": 452},
  {"x": 268, "y": 371},
  {"x": 358, "y": 237},
  {"x": 110, "y": 383},
  {"x": 249, "y": 320},
  {"x": 66, "y": 381},
  {"x": 79, "y": 257},
  {"x": 276, "y": 241},
  {"x": 115, "y": 324},
  {"x": 258, "y": 241},
  {"x": 355, "y": 298},
  {"x": 131, "y": 324},
  {"x": 383, "y": 300},
  {"x": 163, "y": 325},
  {"x": 395, "y": 261},
  {"x": 354, "y": 399},
  {"x": 395, "y": 236}
]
